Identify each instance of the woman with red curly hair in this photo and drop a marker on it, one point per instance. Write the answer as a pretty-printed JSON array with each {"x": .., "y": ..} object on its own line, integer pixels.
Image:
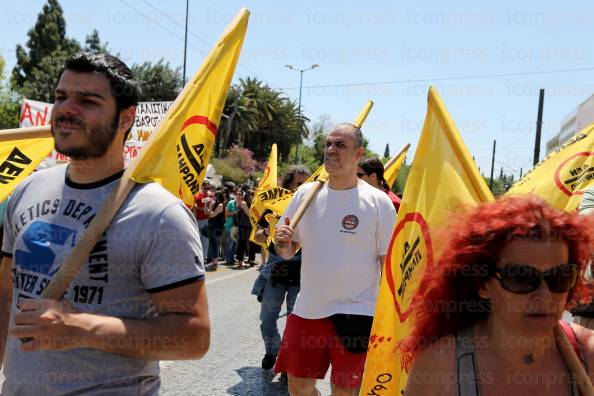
[{"x": 484, "y": 319}]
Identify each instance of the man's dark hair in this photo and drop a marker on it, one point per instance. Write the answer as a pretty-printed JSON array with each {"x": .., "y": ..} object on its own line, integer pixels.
[
  {"x": 289, "y": 176},
  {"x": 373, "y": 165},
  {"x": 124, "y": 88}
]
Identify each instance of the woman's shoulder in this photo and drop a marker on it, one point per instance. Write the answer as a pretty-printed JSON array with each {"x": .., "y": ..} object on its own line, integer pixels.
[{"x": 433, "y": 371}]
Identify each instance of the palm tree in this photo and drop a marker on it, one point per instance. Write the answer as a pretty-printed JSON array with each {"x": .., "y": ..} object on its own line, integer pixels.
[{"x": 258, "y": 116}]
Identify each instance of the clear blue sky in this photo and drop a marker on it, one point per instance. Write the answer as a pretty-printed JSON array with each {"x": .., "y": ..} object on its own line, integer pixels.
[{"x": 386, "y": 51}]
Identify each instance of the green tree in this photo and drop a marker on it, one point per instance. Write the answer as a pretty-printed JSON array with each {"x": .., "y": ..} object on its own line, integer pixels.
[
  {"x": 9, "y": 105},
  {"x": 401, "y": 178},
  {"x": 320, "y": 131},
  {"x": 93, "y": 43},
  {"x": 158, "y": 82},
  {"x": 257, "y": 116},
  {"x": 36, "y": 72},
  {"x": 387, "y": 151}
]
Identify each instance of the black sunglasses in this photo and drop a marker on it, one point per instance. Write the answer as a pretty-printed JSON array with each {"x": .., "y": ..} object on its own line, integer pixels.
[{"x": 523, "y": 279}]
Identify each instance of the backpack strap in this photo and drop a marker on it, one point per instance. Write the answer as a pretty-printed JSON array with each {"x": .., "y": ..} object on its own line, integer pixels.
[
  {"x": 568, "y": 330},
  {"x": 566, "y": 327},
  {"x": 466, "y": 368}
]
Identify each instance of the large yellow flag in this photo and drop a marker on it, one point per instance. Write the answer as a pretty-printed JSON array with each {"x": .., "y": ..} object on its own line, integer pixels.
[
  {"x": 18, "y": 158},
  {"x": 442, "y": 178},
  {"x": 177, "y": 153},
  {"x": 393, "y": 166},
  {"x": 563, "y": 176}
]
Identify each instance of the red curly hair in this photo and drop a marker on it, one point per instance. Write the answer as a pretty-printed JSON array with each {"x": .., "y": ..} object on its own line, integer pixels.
[{"x": 448, "y": 298}]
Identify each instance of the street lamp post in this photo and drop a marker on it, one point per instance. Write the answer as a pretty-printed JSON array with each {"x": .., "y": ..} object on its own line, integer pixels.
[{"x": 300, "y": 89}]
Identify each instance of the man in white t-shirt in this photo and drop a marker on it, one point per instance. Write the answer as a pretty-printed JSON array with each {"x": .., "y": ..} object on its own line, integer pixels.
[{"x": 345, "y": 234}]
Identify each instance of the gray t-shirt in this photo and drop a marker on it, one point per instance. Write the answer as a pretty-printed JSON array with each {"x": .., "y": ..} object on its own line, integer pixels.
[{"x": 152, "y": 244}]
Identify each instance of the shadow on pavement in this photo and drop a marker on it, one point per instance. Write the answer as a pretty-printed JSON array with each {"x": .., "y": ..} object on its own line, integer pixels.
[{"x": 255, "y": 381}]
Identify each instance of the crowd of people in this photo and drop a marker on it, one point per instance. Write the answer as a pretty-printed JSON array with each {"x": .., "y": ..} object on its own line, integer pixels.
[
  {"x": 485, "y": 316},
  {"x": 224, "y": 223}
]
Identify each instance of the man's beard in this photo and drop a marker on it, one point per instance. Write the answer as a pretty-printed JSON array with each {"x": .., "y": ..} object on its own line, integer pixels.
[{"x": 100, "y": 138}]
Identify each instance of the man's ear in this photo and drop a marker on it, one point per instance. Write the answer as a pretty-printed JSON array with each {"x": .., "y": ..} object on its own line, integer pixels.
[
  {"x": 360, "y": 152},
  {"x": 127, "y": 118}
]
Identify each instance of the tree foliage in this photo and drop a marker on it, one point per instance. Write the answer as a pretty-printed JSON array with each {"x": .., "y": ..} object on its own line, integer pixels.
[
  {"x": 9, "y": 105},
  {"x": 387, "y": 151},
  {"x": 158, "y": 82},
  {"x": 256, "y": 116},
  {"x": 41, "y": 60},
  {"x": 37, "y": 69},
  {"x": 93, "y": 43},
  {"x": 237, "y": 165}
]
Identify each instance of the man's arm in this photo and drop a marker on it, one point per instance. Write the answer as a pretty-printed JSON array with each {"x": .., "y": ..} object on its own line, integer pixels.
[
  {"x": 180, "y": 331},
  {"x": 261, "y": 234},
  {"x": 5, "y": 302}
]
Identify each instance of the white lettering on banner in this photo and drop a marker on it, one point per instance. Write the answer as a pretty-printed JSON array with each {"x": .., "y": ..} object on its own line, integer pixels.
[{"x": 148, "y": 116}]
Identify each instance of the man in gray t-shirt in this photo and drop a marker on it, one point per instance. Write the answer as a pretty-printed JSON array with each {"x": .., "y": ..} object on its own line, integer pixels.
[{"x": 139, "y": 297}]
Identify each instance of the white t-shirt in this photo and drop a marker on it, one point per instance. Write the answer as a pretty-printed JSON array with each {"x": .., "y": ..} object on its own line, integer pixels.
[{"x": 343, "y": 234}]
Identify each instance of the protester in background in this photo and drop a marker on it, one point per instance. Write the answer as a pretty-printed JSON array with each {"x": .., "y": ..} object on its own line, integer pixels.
[
  {"x": 201, "y": 211},
  {"x": 230, "y": 235},
  {"x": 584, "y": 312},
  {"x": 485, "y": 312},
  {"x": 345, "y": 234},
  {"x": 244, "y": 226},
  {"x": 279, "y": 279},
  {"x": 216, "y": 224},
  {"x": 371, "y": 170},
  {"x": 106, "y": 334},
  {"x": 245, "y": 252}
]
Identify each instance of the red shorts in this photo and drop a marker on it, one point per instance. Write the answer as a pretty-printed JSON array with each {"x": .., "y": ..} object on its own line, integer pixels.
[{"x": 308, "y": 348}]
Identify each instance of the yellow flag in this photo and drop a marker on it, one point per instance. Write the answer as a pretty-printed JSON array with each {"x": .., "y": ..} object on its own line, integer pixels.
[
  {"x": 177, "y": 153},
  {"x": 563, "y": 176},
  {"x": 442, "y": 177},
  {"x": 18, "y": 158},
  {"x": 363, "y": 115},
  {"x": 319, "y": 174},
  {"x": 269, "y": 179},
  {"x": 393, "y": 166}
]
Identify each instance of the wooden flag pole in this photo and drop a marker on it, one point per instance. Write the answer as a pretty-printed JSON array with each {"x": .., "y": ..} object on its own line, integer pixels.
[
  {"x": 304, "y": 205},
  {"x": 394, "y": 158},
  {"x": 72, "y": 265},
  {"x": 25, "y": 133},
  {"x": 573, "y": 363}
]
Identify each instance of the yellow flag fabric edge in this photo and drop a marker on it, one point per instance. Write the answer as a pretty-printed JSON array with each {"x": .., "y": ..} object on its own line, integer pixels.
[
  {"x": 392, "y": 167},
  {"x": 453, "y": 135},
  {"x": 237, "y": 26},
  {"x": 34, "y": 150}
]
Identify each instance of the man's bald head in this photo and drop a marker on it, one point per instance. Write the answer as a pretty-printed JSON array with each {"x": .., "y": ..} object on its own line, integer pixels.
[{"x": 351, "y": 129}]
